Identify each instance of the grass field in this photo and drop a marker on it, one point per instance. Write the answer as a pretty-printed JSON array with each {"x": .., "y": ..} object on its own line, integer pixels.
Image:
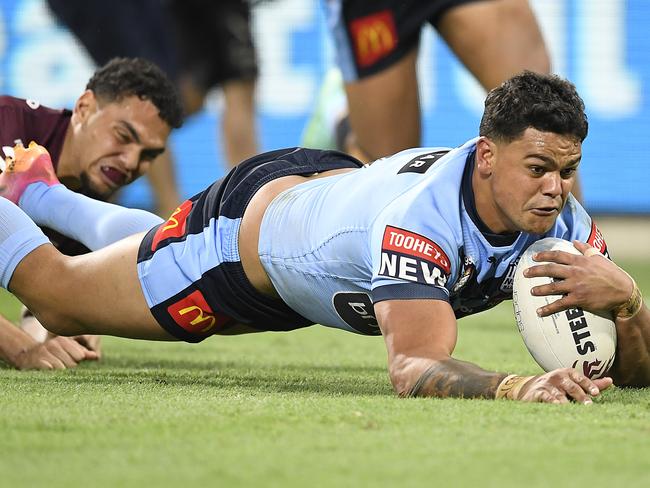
[{"x": 309, "y": 408}]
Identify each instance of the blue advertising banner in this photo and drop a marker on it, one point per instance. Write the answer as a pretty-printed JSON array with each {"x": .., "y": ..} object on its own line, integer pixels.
[{"x": 603, "y": 46}]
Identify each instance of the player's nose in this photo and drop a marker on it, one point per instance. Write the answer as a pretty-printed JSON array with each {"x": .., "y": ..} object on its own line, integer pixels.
[
  {"x": 131, "y": 157},
  {"x": 552, "y": 184}
]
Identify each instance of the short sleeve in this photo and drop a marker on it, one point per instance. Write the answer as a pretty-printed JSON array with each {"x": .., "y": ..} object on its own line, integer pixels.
[{"x": 411, "y": 261}]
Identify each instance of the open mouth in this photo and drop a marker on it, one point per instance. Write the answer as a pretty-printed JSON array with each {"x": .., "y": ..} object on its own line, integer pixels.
[
  {"x": 545, "y": 211},
  {"x": 115, "y": 177}
]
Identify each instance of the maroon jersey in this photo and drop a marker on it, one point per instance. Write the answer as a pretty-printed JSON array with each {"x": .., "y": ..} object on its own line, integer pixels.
[{"x": 25, "y": 121}]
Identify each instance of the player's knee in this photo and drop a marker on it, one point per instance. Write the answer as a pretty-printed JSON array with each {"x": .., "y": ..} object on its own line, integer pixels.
[{"x": 58, "y": 322}]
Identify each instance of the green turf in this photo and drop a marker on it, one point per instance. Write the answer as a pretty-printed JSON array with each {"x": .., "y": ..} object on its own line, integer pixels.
[{"x": 309, "y": 408}]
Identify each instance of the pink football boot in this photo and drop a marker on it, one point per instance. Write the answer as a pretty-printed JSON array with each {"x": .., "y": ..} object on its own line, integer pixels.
[{"x": 26, "y": 167}]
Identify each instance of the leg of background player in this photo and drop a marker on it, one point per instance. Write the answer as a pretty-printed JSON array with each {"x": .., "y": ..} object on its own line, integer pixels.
[
  {"x": 495, "y": 40},
  {"x": 491, "y": 54},
  {"x": 162, "y": 179},
  {"x": 238, "y": 123},
  {"x": 385, "y": 109}
]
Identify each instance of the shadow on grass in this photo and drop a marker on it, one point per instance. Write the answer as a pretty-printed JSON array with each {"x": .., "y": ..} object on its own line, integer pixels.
[{"x": 277, "y": 378}]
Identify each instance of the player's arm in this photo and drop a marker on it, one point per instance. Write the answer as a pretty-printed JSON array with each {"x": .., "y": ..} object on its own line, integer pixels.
[
  {"x": 21, "y": 351},
  {"x": 595, "y": 283},
  {"x": 420, "y": 337}
]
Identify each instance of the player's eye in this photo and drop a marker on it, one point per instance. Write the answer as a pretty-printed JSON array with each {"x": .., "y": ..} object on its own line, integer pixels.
[
  {"x": 537, "y": 170},
  {"x": 123, "y": 137},
  {"x": 568, "y": 172}
]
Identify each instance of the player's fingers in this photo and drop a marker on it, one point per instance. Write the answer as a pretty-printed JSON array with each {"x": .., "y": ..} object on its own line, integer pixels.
[
  {"x": 559, "y": 257},
  {"x": 91, "y": 355},
  {"x": 44, "y": 364},
  {"x": 56, "y": 362},
  {"x": 92, "y": 343},
  {"x": 60, "y": 347},
  {"x": 575, "y": 390},
  {"x": 556, "y": 306},
  {"x": 552, "y": 270},
  {"x": 586, "y": 249},
  {"x": 604, "y": 383},
  {"x": 558, "y": 394},
  {"x": 585, "y": 383},
  {"x": 75, "y": 350},
  {"x": 583, "y": 247},
  {"x": 557, "y": 287},
  {"x": 543, "y": 396}
]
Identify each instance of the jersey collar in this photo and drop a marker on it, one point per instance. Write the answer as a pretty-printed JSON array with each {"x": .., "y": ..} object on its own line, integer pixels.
[{"x": 467, "y": 192}]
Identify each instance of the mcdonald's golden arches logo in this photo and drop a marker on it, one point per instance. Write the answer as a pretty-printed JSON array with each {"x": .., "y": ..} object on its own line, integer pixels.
[
  {"x": 194, "y": 315},
  {"x": 175, "y": 225},
  {"x": 374, "y": 37}
]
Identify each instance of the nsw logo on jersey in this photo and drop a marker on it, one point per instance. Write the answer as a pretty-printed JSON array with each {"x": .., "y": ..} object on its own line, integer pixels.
[
  {"x": 413, "y": 257},
  {"x": 468, "y": 271},
  {"x": 422, "y": 162},
  {"x": 597, "y": 240},
  {"x": 509, "y": 279}
]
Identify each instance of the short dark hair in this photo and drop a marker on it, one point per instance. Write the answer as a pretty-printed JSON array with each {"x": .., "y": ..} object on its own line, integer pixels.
[
  {"x": 547, "y": 103},
  {"x": 125, "y": 77}
]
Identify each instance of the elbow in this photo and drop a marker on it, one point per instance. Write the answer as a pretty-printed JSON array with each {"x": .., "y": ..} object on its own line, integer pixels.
[
  {"x": 399, "y": 378},
  {"x": 419, "y": 376},
  {"x": 413, "y": 376}
]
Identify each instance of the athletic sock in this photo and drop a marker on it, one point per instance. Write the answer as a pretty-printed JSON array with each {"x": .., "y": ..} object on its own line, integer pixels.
[
  {"x": 94, "y": 223},
  {"x": 18, "y": 237}
]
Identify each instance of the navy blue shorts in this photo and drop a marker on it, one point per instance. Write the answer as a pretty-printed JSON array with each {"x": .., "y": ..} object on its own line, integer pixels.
[
  {"x": 215, "y": 41},
  {"x": 189, "y": 266},
  {"x": 371, "y": 36}
]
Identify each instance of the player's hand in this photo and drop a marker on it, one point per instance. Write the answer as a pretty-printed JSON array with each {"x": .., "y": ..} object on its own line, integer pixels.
[
  {"x": 90, "y": 342},
  {"x": 588, "y": 280},
  {"x": 55, "y": 353},
  {"x": 561, "y": 386}
]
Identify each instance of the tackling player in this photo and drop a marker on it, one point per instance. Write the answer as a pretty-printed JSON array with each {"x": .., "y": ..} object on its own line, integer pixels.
[
  {"x": 117, "y": 128},
  {"x": 427, "y": 236}
]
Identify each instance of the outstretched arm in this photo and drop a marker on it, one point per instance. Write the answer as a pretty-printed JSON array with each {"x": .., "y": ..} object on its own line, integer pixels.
[
  {"x": 420, "y": 336},
  {"x": 595, "y": 283}
]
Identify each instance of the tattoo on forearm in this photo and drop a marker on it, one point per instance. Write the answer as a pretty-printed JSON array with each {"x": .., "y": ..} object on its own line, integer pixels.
[{"x": 454, "y": 378}]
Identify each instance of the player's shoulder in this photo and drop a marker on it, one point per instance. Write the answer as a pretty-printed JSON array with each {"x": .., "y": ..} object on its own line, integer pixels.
[
  {"x": 15, "y": 103},
  {"x": 28, "y": 107},
  {"x": 421, "y": 160},
  {"x": 429, "y": 205}
]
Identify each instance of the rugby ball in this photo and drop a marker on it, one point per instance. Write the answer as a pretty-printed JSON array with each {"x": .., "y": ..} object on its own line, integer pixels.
[{"x": 573, "y": 338}]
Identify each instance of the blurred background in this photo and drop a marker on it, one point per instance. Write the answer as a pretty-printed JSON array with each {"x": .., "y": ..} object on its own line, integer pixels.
[{"x": 603, "y": 46}]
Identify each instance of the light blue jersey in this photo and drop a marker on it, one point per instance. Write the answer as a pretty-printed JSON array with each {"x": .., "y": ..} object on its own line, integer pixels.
[{"x": 403, "y": 228}]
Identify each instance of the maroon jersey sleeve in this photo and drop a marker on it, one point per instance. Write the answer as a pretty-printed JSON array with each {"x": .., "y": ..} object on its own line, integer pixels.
[{"x": 26, "y": 120}]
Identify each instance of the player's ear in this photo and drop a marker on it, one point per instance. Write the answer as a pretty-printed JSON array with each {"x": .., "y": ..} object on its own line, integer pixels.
[
  {"x": 85, "y": 105},
  {"x": 486, "y": 151}
]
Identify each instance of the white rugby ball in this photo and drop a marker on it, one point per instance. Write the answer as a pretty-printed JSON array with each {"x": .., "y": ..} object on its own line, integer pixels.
[{"x": 573, "y": 338}]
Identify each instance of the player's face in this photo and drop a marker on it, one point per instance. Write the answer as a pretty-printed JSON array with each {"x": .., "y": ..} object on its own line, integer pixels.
[
  {"x": 531, "y": 179},
  {"x": 115, "y": 143}
]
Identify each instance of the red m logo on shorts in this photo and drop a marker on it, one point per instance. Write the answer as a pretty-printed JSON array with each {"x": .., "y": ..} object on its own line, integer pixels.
[
  {"x": 194, "y": 315},
  {"x": 175, "y": 225}
]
